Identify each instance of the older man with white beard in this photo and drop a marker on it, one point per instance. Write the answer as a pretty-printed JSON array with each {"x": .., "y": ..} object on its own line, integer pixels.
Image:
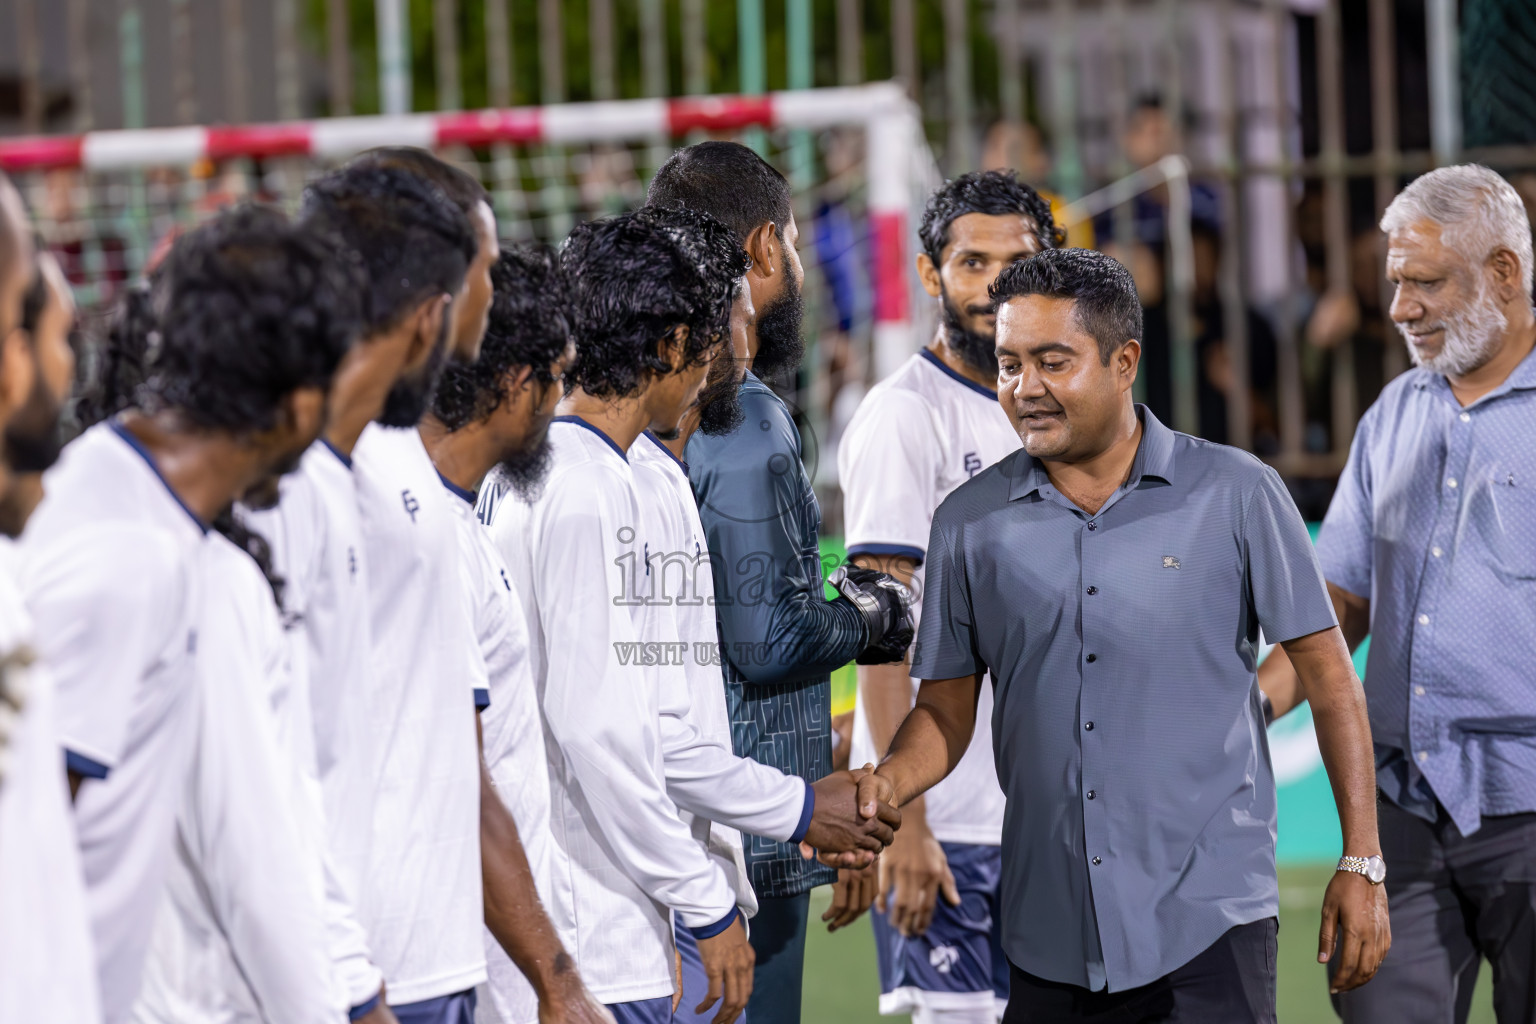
[{"x": 1430, "y": 548}]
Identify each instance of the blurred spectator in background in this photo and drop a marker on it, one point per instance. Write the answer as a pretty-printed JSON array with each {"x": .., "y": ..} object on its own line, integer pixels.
[
  {"x": 1020, "y": 146},
  {"x": 1149, "y": 137},
  {"x": 1213, "y": 354}
]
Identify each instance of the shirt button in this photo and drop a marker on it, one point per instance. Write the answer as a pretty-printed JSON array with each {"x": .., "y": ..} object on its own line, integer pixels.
[
  {"x": 1466, "y": 417},
  {"x": 1423, "y": 755},
  {"x": 1423, "y": 620},
  {"x": 1092, "y": 658},
  {"x": 1436, "y": 552},
  {"x": 1093, "y": 526},
  {"x": 1097, "y": 861},
  {"x": 1418, "y": 691},
  {"x": 1090, "y": 794},
  {"x": 1088, "y": 726},
  {"x": 1451, "y": 482},
  {"x": 1092, "y": 591}
]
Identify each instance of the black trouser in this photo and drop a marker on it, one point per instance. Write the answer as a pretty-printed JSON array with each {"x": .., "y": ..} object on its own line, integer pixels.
[
  {"x": 1232, "y": 982},
  {"x": 1455, "y": 900}
]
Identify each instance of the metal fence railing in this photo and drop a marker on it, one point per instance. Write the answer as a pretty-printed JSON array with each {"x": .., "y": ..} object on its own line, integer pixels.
[{"x": 1297, "y": 121}]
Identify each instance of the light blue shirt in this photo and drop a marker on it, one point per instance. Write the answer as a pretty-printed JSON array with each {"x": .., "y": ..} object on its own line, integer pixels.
[
  {"x": 1140, "y": 824},
  {"x": 1435, "y": 522}
]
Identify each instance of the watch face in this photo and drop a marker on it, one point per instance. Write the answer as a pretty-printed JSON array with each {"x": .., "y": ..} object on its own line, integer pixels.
[{"x": 1376, "y": 870}]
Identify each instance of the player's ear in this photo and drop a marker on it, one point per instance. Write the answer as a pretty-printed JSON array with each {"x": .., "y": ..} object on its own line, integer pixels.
[
  {"x": 763, "y": 247},
  {"x": 1127, "y": 362},
  {"x": 432, "y": 319},
  {"x": 17, "y": 370},
  {"x": 929, "y": 274},
  {"x": 673, "y": 348}
]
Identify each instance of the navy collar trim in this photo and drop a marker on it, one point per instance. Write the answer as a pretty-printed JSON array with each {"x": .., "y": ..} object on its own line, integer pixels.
[
  {"x": 936, "y": 361},
  {"x": 668, "y": 452},
  {"x": 583, "y": 423},
  {"x": 468, "y": 496},
  {"x": 149, "y": 460},
  {"x": 343, "y": 457}
]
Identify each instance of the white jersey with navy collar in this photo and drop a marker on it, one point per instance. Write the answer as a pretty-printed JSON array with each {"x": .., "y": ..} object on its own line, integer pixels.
[
  {"x": 111, "y": 575},
  {"x": 315, "y": 535},
  {"x": 625, "y": 861},
  {"x": 47, "y": 963},
  {"x": 919, "y": 434},
  {"x": 513, "y": 738},
  {"x": 423, "y": 907},
  {"x": 241, "y": 931},
  {"x": 703, "y": 772}
]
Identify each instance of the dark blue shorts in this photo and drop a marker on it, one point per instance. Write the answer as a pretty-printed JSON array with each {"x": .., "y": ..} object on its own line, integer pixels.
[
  {"x": 958, "y": 962},
  {"x": 642, "y": 1011},
  {"x": 458, "y": 1008}
]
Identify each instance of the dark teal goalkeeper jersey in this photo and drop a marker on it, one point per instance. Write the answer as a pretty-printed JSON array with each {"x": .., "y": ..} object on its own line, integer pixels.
[{"x": 780, "y": 637}]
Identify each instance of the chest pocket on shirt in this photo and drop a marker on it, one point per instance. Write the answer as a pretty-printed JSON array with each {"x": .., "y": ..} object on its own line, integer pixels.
[{"x": 1506, "y": 515}]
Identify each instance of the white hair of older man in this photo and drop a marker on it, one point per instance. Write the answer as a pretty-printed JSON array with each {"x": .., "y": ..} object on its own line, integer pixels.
[{"x": 1479, "y": 213}]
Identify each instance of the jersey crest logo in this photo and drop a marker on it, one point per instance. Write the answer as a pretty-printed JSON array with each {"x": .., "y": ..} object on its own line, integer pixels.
[
  {"x": 1170, "y": 562},
  {"x": 972, "y": 464},
  {"x": 412, "y": 506},
  {"x": 943, "y": 958}
]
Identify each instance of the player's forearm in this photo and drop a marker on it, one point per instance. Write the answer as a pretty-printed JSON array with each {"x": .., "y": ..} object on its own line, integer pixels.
[
  {"x": 513, "y": 912},
  {"x": 1343, "y": 733},
  {"x": 933, "y": 738},
  {"x": 708, "y": 780}
]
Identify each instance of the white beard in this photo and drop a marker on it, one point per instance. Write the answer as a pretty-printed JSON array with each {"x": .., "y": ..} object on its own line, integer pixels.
[{"x": 1472, "y": 335}]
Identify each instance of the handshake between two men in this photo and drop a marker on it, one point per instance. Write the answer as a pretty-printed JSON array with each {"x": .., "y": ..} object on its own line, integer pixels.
[{"x": 846, "y": 832}]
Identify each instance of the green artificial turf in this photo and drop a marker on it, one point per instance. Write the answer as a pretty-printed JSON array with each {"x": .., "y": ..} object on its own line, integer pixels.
[{"x": 841, "y": 984}]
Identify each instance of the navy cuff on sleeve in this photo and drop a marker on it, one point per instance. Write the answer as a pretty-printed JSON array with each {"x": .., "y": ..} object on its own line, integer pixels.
[
  {"x": 84, "y": 766},
  {"x": 359, "y": 1012},
  {"x": 709, "y": 931},
  {"x": 482, "y": 698},
  {"x": 805, "y": 815}
]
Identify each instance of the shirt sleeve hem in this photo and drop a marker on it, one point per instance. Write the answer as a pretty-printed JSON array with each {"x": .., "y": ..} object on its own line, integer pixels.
[
  {"x": 362, "y": 1010},
  {"x": 807, "y": 811},
  {"x": 85, "y": 766},
  {"x": 709, "y": 931},
  {"x": 901, "y": 550}
]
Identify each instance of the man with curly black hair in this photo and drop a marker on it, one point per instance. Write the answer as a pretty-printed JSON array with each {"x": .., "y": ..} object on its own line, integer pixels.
[
  {"x": 919, "y": 434},
  {"x": 492, "y": 417},
  {"x": 651, "y": 298},
  {"x": 781, "y": 638},
  {"x": 252, "y": 318}
]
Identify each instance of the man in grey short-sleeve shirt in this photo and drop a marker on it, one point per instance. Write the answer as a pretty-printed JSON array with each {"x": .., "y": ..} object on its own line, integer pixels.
[{"x": 1113, "y": 576}]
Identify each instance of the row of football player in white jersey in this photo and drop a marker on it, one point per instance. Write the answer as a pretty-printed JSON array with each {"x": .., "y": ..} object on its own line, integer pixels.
[{"x": 271, "y": 633}]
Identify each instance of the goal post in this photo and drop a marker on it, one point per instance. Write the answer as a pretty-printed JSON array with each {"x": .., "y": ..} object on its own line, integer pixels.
[{"x": 898, "y": 170}]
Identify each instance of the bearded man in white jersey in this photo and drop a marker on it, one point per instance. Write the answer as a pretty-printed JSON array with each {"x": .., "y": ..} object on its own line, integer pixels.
[
  {"x": 391, "y": 222},
  {"x": 47, "y": 971},
  {"x": 422, "y": 906},
  {"x": 234, "y": 392},
  {"x": 492, "y": 416},
  {"x": 918, "y": 435},
  {"x": 650, "y": 319},
  {"x": 721, "y": 795}
]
